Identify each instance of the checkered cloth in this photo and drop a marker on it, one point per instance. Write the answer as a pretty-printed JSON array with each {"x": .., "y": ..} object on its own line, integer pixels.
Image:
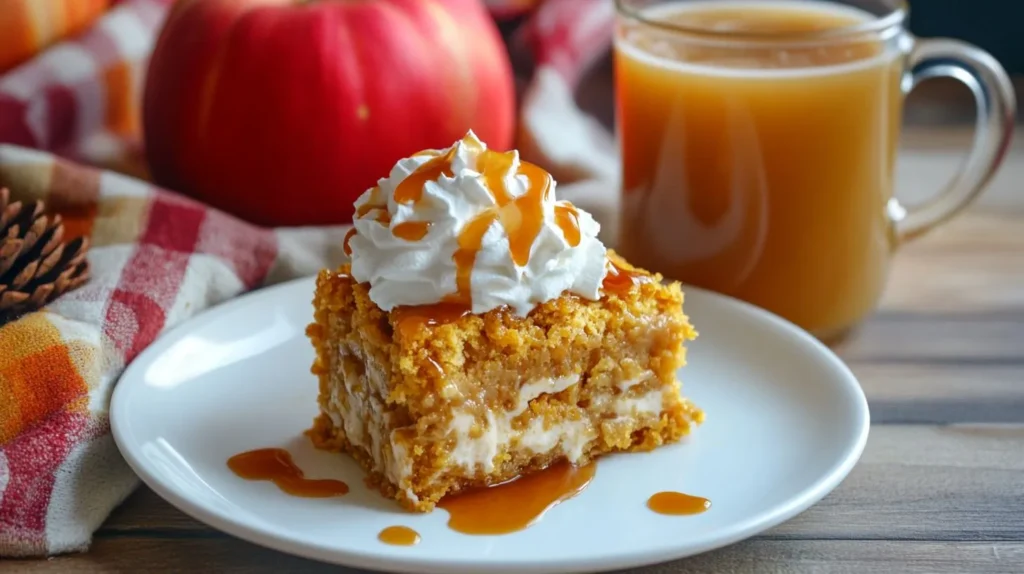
[
  {"x": 158, "y": 258},
  {"x": 30, "y": 25},
  {"x": 80, "y": 98}
]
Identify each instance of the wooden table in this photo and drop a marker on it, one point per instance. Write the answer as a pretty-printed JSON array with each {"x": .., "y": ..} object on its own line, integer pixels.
[{"x": 940, "y": 486}]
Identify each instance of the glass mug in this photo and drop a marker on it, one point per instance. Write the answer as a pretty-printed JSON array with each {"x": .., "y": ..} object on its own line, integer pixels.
[{"x": 759, "y": 139}]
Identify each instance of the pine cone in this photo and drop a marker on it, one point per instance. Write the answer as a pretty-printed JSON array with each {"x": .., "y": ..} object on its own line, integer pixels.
[{"x": 36, "y": 265}]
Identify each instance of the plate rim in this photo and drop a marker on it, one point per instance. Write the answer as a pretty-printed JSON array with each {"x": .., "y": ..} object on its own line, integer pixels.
[{"x": 258, "y": 535}]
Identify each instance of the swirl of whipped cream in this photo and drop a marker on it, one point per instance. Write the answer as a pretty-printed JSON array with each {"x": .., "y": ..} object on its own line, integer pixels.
[{"x": 472, "y": 226}]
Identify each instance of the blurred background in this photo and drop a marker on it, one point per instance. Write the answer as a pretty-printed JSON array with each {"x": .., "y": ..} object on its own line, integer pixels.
[
  {"x": 940, "y": 112},
  {"x": 993, "y": 25},
  {"x": 996, "y": 26}
]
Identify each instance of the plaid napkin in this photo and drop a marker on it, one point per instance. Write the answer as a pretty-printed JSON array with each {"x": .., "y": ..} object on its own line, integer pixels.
[
  {"x": 158, "y": 258},
  {"x": 81, "y": 97}
]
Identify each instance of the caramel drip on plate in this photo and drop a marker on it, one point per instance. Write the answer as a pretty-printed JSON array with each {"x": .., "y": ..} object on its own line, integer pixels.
[
  {"x": 677, "y": 503},
  {"x": 516, "y": 504},
  {"x": 410, "y": 318},
  {"x": 411, "y": 230},
  {"x": 399, "y": 536},
  {"x": 621, "y": 279},
  {"x": 277, "y": 466}
]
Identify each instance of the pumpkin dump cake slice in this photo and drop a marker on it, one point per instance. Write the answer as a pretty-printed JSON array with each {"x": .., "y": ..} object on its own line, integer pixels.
[{"x": 483, "y": 332}]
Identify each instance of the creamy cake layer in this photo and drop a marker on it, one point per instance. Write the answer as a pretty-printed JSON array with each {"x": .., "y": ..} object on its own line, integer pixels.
[{"x": 429, "y": 409}]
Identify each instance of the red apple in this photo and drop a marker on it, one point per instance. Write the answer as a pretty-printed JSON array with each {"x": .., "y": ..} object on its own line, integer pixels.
[{"x": 284, "y": 111}]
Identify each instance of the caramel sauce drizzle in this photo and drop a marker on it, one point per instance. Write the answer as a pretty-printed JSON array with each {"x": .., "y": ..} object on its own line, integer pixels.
[
  {"x": 382, "y": 217},
  {"x": 411, "y": 230},
  {"x": 410, "y": 191},
  {"x": 568, "y": 220},
  {"x": 348, "y": 238},
  {"x": 435, "y": 368},
  {"x": 399, "y": 536},
  {"x": 677, "y": 503},
  {"x": 518, "y": 503},
  {"x": 277, "y": 466},
  {"x": 375, "y": 203},
  {"x": 621, "y": 277},
  {"x": 372, "y": 204},
  {"x": 521, "y": 217},
  {"x": 409, "y": 318},
  {"x": 470, "y": 241}
]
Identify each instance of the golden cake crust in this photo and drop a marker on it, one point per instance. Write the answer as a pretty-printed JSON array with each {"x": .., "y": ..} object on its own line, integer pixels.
[{"x": 424, "y": 376}]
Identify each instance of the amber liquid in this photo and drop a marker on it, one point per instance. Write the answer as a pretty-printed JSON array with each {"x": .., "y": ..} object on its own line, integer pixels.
[
  {"x": 277, "y": 466},
  {"x": 500, "y": 509},
  {"x": 677, "y": 503},
  {"x": 399, "y": 536},
  {"x": 516, "y": 504},
  {"x": 760, "y": 170}
]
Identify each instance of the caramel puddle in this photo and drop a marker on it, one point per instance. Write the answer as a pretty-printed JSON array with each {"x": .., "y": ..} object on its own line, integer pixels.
[
  {"x": 518, "y": 503},
  {"x": 399, "y": 536},
  {"x": 277, "y": 466},
  {"x": 677, "y": 503}
]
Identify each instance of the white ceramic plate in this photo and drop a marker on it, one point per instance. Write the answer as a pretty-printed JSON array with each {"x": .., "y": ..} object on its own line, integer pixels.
[{"x": 786, "y": 421}]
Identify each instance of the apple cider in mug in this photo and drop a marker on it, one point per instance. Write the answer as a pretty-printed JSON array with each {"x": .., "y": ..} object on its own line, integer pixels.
[{"x": 757, "y": 171}]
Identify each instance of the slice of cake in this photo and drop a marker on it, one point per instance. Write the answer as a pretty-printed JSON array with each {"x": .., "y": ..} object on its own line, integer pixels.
[{"x": 483, "y": 331}]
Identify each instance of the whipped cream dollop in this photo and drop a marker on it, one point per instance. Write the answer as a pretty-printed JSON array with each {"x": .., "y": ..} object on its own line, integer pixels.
[{"x": 472, "y": 226}]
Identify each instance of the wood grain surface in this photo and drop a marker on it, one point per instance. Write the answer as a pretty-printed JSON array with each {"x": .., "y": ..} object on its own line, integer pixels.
[{"x": 940, "y": 487}]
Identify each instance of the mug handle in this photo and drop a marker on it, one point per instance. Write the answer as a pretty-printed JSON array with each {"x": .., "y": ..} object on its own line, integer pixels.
[{"x": 996, "y": 110}]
